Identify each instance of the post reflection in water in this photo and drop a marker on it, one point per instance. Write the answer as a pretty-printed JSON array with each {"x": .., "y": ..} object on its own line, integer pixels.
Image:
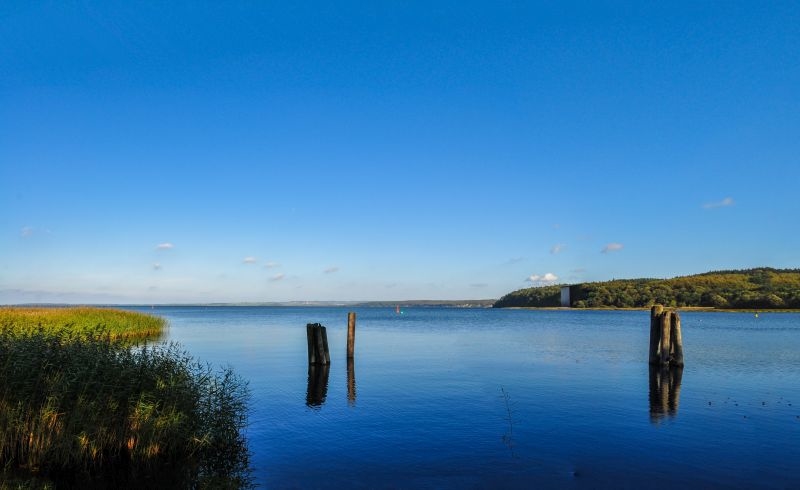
[
  {"x": 665, "y": 391},
  {"x": 351, "y": 382},
  {"x": 317, "y": 384}
]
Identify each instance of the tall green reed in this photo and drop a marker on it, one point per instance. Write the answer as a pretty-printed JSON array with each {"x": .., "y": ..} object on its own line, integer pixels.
[
  {"x": 86, "y": 406},
  {"x": 82, "y": 320}
]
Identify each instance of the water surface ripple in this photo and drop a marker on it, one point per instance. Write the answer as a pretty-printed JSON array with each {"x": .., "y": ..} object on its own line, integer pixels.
[{"x": 475, "y": 398}]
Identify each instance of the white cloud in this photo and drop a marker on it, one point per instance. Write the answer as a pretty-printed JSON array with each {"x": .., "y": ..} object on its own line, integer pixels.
[
  {"x": 547, "y": 278},
  {"x": 271, "y": 265},
  {"x": 26, "y": 232},
  {"x": 331, "y": 270},
  {"x": 156, "y": 266},
  {"x": 277, "y": 277},
  {"x": 558, "y": 248},
  {"x": 612, "y": 247},
  {"x": 250, "y": 260},
  {"x": 728, "y": 201},
  {"x": 165, "y": 246}
]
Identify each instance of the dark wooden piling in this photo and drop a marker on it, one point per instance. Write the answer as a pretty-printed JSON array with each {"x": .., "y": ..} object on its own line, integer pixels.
[
  {"x": 322, "y": 345},
  {"x": 666, "y": 341},
  {"x": 665, "y": 330},
  {"x": 666, "y": 362},
  {"x": 312, "y": 343},
  {"x": 351, "y": 334},
  {"x": 317, "y": 337},
  {"x": 676, "y": 345},
  {"x": 655, "y": 333}
]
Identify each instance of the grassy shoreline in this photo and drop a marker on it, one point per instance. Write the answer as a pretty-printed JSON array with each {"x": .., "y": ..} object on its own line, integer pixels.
[
  {"x": 82, "y": 320},
  {"x": 83, "y": 404}
]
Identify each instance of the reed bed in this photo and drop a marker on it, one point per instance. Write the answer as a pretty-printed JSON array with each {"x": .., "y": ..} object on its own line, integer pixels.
[
  {"x": 80, "y": 406},
  {"x": 82, "y": 320}
]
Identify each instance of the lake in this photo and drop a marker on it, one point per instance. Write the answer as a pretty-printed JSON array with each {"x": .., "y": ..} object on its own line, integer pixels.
[{"x": 487, "y": 398}]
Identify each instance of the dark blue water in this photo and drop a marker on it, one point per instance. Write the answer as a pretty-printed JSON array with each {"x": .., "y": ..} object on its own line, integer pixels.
[{"x": 473, "y": 398}]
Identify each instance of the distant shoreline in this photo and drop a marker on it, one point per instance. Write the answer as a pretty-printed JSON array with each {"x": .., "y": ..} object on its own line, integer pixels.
[
  {"x": 676, "y": 308},
  {"x": 475, "y": 303}
]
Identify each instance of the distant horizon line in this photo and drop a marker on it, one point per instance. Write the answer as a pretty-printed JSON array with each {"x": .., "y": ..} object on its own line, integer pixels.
[{"x": 416, "y": 302}]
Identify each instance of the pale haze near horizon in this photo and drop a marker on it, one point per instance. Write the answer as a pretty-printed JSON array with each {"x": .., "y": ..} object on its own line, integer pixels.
[{"x": 213, "y": 153}]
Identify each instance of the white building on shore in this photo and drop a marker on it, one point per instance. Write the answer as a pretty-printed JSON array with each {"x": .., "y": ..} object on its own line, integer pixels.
[{"x": 565, "y": 299}]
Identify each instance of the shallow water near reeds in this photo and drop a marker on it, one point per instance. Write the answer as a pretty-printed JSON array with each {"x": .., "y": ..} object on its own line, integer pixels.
[{"x": 485, "y": 398}]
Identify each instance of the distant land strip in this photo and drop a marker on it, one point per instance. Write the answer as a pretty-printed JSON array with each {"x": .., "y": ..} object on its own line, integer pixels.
[
  {"x": 762, "y": 288},
  {"x": 464, "y": 303}
]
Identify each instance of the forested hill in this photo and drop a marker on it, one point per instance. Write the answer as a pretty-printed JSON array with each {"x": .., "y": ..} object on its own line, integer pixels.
[{"x": 762, "y": 288}]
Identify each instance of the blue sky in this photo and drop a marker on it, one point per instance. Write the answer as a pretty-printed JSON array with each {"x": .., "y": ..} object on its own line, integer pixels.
[{"x": 189, "y": 152}]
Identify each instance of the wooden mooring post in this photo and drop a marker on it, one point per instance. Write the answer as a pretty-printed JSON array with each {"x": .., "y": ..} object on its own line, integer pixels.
[
  {"x": 676, "y": 344},
  {"x": 655, "y": 334},
  {"x": 666, "y": 342},
  {"x": 317, "y": 337},
  {"x": 351, "y": 334}
]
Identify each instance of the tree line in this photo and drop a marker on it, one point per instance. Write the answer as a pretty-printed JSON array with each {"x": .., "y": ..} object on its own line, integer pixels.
[{"x": 761, "y": 288}]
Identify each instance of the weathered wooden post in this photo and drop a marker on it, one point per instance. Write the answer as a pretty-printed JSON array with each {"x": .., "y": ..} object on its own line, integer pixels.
[
  {"x": 666, "y": 362},
  {"x": 317, "y": 337},
  {"x": 312, "y": 343},
  {"x": 655, "y": 333},
  {"x": 666, "y": 341},
  {"x": 351, "y": 334},
  {"x": 676, "y": 346},
  {"x": 322, "y": 344},
  {"x": 665, "y": 328}
]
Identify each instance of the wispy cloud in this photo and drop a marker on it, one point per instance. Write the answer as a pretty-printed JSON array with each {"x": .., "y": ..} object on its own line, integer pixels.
[
  {"x": 165, "y": 246},
  {"x": 547, "y": 278},
  {"x": 513, "y": 260},
  {"x": 277, "y": 277},
  {"x": 156, "y": 266},
  {"x": 728, "y": 201},
  {"x": 578, "y": 271},
  {"x": 26, "y": 232},
  {"x": 271, "y": 265},
  {"x": 249, "y": 260},
  {"x": 557, "y": 248},
  {"x": 612, "y": 247},
  {"x": 331, "y": 270}
]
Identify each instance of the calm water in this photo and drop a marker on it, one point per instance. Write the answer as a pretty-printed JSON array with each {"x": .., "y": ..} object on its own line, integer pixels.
[{"x": 452, "y": 398}]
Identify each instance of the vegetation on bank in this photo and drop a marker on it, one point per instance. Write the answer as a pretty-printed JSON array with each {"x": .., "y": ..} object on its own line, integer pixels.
[
  {"x": 762, "y": 288},
  {"x": 117, "y": 324},
  {"x": 82, "y": 407}
]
